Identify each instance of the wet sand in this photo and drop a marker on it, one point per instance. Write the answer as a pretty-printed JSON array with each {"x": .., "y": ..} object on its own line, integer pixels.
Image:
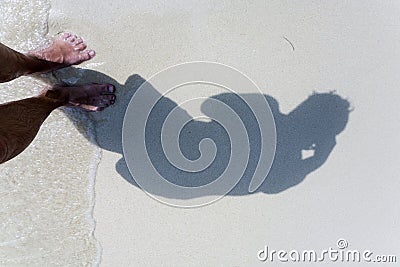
[{"x": 47, "y": 191}]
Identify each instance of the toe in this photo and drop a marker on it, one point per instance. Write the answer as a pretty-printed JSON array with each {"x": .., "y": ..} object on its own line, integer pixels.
[
  {"x": 80, "y": 47},
  {"x": 71, "y": 38},
  {"x": 109, "y": 99},
  {"x": 83, "y": 57},
  {"x": 103, "y": 101},
  {"x": 105, "y": 89},
  {"x": 78, "y": 41},
  {"x": 86, "y": 55},
  {"x": 65, "y": 35},
  {"x": 112, "y": 99},
  {"x": 91, "y": 53},
  {"x": 108, "y": 89},
  {"x": 106, "y": 99}
]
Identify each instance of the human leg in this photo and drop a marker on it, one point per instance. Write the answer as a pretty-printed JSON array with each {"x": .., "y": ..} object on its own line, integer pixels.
[
  {"x": 21, "y": 120},
  {"x": 65, "y": 51}
]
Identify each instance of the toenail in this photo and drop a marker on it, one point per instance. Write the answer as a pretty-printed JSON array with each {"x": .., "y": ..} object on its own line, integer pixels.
[
  {"x": 111, "y": 89},
  {"x": 66, "y": 35},
  {"x": 91, "y": 53}
]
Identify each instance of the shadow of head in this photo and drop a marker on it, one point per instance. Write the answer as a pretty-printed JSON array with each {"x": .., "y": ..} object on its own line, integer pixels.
[
  {"x": 319, "y": 116},
  {"x": 312, "y": 125}
]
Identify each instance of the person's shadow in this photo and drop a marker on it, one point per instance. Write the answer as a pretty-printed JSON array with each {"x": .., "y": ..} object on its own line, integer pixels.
[{"x": 312, "y": 126}]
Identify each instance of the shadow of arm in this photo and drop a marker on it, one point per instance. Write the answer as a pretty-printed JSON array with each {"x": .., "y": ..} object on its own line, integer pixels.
[{"x": 321, "y": 154}]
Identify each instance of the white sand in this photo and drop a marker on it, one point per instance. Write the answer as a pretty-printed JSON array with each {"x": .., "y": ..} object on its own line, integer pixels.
[{"x": 350, "y": 47}]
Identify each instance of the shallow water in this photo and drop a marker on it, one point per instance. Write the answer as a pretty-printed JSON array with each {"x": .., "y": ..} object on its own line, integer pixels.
[{"x": 46, "y": 193}]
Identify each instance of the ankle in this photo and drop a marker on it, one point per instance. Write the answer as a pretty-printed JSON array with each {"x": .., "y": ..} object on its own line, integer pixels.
[{"x": 34, "y": 64}]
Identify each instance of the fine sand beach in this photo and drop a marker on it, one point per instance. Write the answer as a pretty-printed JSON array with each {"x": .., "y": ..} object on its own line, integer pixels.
[{"x": 329, "y": 72}]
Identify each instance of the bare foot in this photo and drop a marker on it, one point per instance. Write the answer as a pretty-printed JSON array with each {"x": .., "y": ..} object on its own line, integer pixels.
[
  {"x": 67, "y": 50},
  {"x": 91, "y": 97}
]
